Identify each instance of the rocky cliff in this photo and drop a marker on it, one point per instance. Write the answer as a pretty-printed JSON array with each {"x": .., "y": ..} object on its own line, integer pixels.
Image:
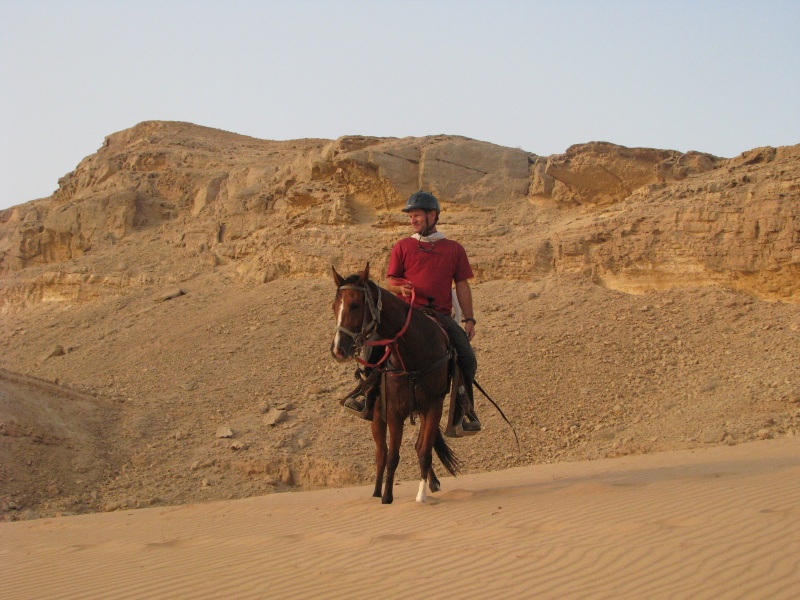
[{"x": 632, "y": 219}]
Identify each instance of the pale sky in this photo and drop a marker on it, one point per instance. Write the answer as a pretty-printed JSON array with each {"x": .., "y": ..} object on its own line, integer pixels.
[{"x": 716, "y": 76}]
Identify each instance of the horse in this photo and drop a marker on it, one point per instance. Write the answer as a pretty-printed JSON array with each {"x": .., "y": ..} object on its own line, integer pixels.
[{"x": 415, "y": 374}]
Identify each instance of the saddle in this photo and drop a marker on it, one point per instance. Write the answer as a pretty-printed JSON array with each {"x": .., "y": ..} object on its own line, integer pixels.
[{"x": 368, "y": 382}]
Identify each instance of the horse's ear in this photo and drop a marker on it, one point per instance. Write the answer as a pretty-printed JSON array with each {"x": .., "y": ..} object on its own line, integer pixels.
[
  {"x": 364, "y": 276},
  {"x": 337, "y": 278}
]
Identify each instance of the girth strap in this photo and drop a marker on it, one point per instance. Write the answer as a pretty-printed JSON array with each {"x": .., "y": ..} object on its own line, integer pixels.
[{"x": 415, "y": 376}]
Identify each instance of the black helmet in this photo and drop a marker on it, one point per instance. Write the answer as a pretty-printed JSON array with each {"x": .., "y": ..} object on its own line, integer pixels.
[{"x": 423, "y": 201}]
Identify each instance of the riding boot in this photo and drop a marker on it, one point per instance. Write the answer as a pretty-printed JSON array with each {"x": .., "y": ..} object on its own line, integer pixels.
[
  {"x": 366, "y": 389},
  {"x": 363, "y": 409},
  {"x": 470, "y": 425},
  {"x": 362, "y": 375}
]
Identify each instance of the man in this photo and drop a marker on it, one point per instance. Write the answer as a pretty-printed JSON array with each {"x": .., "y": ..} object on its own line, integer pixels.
[{"x": 432, "y": 264}]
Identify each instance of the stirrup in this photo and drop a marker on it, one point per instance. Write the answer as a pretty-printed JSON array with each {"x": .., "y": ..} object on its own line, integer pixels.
[
  {"x": 459, "y": 431},
  {"x": 365, "y": 413},
  {"x": 456, "y": 430},
  {"x": 354, "y": 393},
  {"x": 365, "y": 383}
]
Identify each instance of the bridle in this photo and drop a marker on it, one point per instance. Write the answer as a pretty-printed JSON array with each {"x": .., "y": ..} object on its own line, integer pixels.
[
  {"x": 372, "y": 315},
  {"x": 370, "y": 322}
]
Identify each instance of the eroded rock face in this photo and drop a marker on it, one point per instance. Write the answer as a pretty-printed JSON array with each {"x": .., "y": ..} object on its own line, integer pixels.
[
  {"x": 140, "y": 178},
  {"x": 228, "y": 186},
  {"x": 631, "y": 218},
  {"x": 599, "y": 173},
  {"x": 739, "y": 226}
]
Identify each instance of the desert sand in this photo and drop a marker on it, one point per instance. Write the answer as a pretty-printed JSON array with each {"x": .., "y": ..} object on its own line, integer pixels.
[{"x": 722, "y": 522}]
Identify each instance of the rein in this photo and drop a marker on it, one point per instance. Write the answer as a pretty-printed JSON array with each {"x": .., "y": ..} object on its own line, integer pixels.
[
  {"x": 389, "y": 344},
  {"x": 369, "y": 328}
]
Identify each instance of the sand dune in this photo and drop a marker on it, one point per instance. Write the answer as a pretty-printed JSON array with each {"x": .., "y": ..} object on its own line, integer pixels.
[{"x": 716, "y": 523}]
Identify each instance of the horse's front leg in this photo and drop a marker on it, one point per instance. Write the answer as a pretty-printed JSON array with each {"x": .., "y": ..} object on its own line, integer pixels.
[
  {"x": 395, "y": 423},
  {"x": 379, "y": 435}
]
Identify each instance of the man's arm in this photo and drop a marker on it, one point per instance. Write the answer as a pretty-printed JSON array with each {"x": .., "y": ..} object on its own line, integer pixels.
[
  {"x": 395, "y": 270},
  {"x": 464, "y": 295},
  {"x": 392, "y": 284}
]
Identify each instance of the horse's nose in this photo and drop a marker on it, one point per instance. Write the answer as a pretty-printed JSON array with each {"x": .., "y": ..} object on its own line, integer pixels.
[{"x": 338, "y": 352}]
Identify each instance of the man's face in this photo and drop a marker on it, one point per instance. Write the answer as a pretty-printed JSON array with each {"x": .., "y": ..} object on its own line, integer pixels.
[{"x": 417, "y": 218}]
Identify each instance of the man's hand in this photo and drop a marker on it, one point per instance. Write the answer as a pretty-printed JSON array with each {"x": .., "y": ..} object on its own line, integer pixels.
[
  {"x": 469, "y": 327},
  {"x": 397, "y": 285},
  {"x": 464, "y": 295}
]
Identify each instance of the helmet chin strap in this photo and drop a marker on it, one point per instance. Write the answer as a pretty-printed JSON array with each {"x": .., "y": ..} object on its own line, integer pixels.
[{"x": 427, "y": 231}]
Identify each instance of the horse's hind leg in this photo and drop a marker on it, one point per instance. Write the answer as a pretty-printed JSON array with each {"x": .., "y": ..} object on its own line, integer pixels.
[
  {"x": 433, "y": 481},
  {"x": 379, "y": 435},
  {"x": 428, "y": 429}
]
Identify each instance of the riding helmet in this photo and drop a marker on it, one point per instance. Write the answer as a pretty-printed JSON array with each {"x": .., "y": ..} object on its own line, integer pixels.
[{"x": 423, "y": 201}]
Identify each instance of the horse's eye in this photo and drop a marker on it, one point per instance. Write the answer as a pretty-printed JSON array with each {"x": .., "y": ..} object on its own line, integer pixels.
[{"x": 354, "y": 306}]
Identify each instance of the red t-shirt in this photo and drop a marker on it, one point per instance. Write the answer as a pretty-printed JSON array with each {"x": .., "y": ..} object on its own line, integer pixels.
[{"x": 431, "y": 273}]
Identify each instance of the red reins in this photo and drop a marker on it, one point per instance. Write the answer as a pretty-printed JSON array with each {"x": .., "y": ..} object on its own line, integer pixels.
[{"x": 389, "y": 343}]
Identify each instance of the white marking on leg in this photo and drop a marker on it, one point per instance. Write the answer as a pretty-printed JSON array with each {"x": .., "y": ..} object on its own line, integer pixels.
[
  {"x": 422, "y": 494},
  {"x": 337, "y": 337}
]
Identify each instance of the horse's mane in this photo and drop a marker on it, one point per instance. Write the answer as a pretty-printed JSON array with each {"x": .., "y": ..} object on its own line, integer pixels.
[{"x": 351, "y": 279}]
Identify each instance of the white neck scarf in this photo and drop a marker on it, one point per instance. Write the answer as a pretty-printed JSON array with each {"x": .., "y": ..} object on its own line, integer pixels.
[{"x": 434, "y": 237}]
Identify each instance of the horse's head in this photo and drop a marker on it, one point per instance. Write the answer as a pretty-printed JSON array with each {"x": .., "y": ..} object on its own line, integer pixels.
[{"x": 354, "y": 311}]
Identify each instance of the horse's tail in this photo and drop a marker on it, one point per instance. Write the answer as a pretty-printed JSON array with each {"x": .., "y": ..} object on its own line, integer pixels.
[{"x": 446, "y": 454}]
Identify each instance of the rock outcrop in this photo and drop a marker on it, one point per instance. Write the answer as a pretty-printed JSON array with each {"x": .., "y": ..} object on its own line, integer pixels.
[
  {"x": 631, "y": 218},
  {"x": 599, "y": 173}
]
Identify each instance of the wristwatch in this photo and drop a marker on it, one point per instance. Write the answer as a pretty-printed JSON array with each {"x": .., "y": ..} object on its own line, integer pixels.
[{"x": 468, "y": 319}]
